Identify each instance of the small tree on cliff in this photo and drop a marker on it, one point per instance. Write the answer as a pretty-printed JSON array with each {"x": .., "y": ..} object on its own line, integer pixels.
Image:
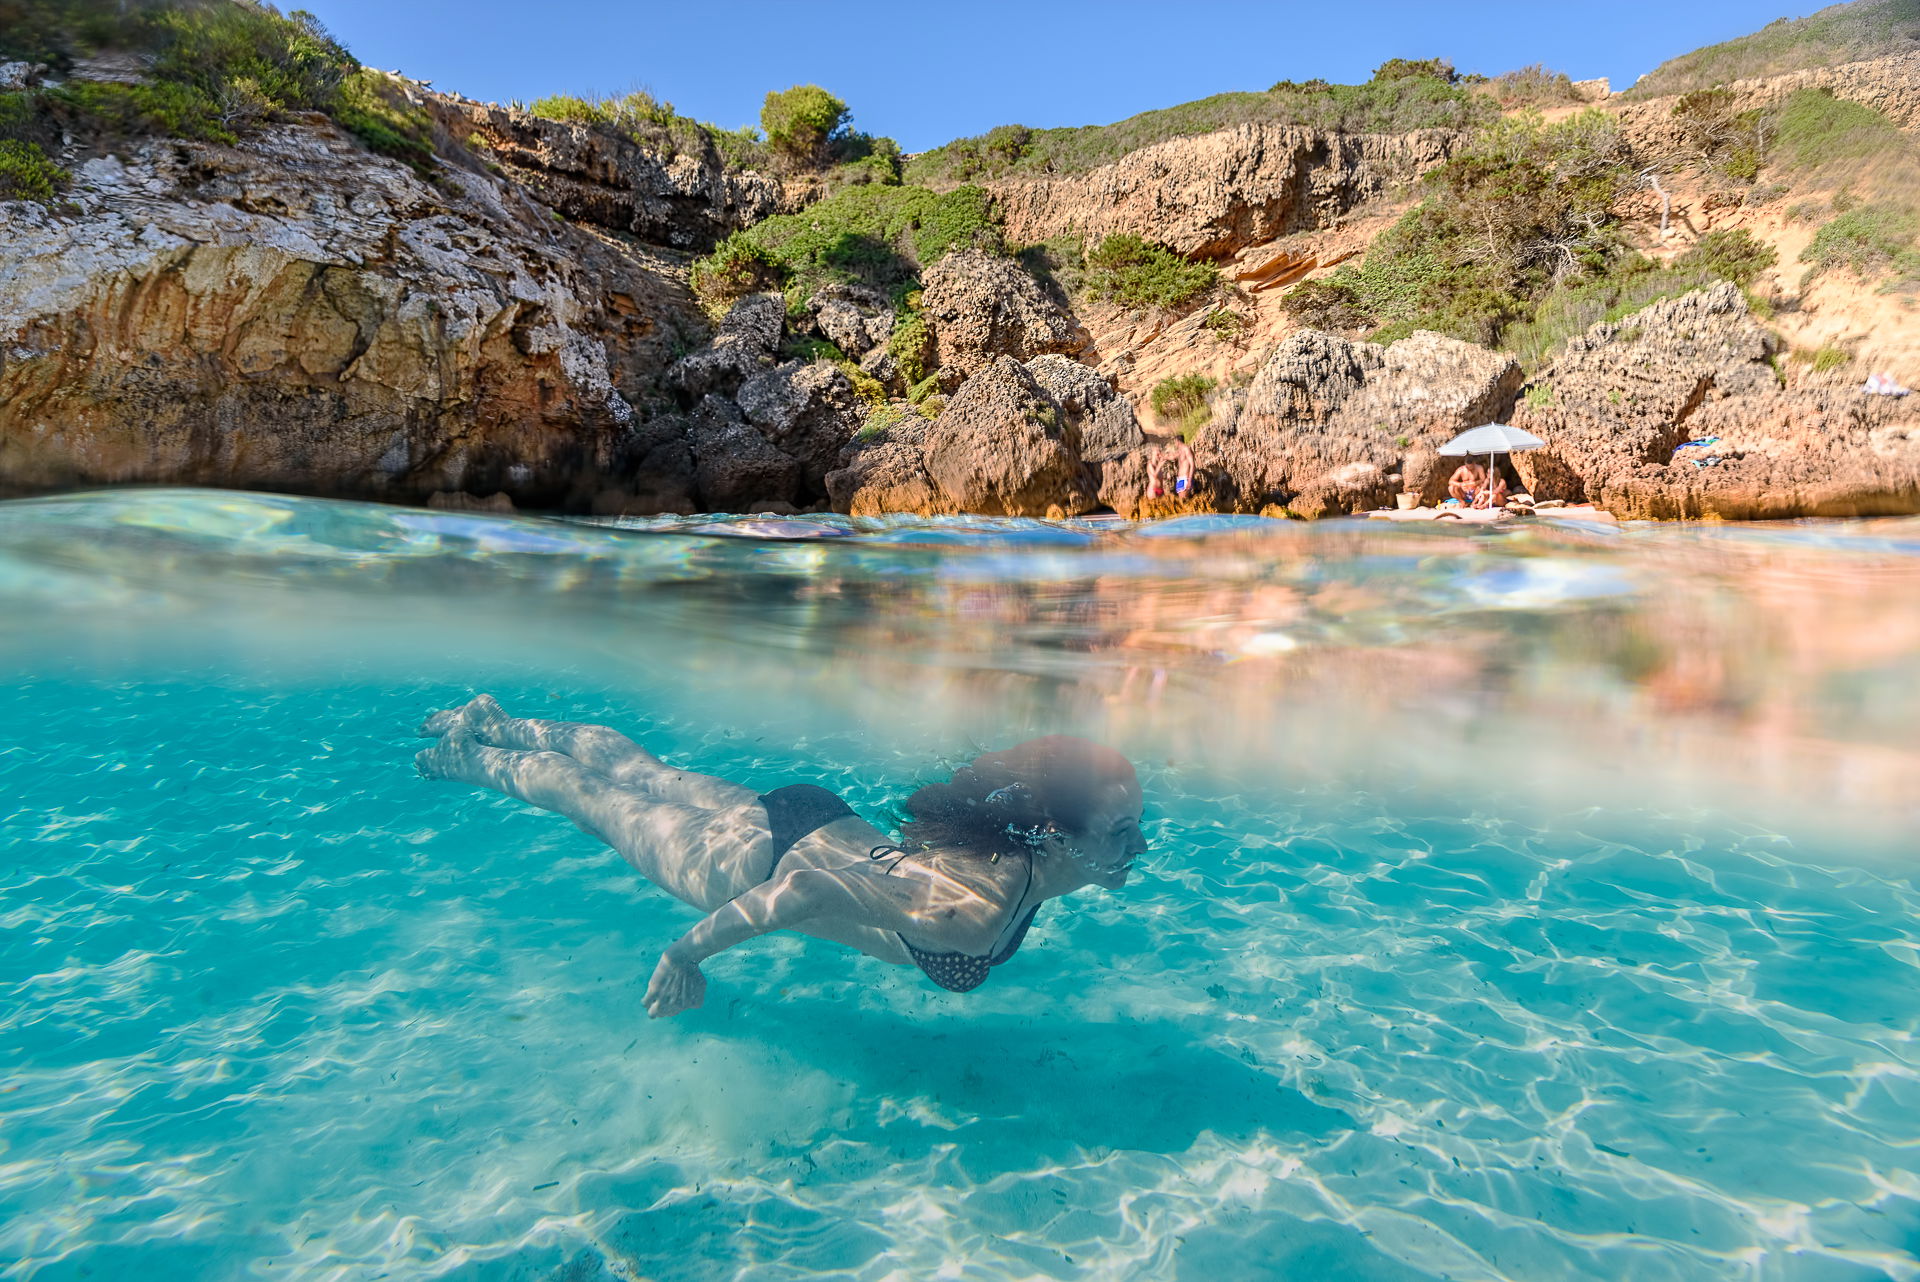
[{"x": 802, "y": 123}]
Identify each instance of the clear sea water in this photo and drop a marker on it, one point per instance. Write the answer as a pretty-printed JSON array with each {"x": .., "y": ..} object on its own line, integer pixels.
[{"x": 1527, "y": 904}]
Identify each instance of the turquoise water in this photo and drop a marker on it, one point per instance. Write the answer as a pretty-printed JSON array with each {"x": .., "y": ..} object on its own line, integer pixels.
[{"x": 1532, "y": 906}]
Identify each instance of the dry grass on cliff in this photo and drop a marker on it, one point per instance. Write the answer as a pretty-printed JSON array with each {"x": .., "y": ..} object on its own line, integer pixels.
[{"x": 1840, "y": 33}]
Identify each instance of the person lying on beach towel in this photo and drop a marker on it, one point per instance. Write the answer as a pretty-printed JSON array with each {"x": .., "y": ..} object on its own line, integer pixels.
[{"x": 980, "y": 855}]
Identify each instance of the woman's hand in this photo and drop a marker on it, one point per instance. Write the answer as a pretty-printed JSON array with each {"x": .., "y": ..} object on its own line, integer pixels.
[{"x": 676, "y": 986}]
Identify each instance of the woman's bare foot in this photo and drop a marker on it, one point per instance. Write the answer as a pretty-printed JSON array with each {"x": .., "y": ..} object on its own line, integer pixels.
[
  {"x": 454, "y": 756},
  {"x": 478, "y": 717}
]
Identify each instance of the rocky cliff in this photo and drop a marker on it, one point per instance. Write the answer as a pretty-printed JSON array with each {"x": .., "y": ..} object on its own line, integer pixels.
[
  {"x": 1211, "y": 196},
  {"x": 514, "y": 320}
]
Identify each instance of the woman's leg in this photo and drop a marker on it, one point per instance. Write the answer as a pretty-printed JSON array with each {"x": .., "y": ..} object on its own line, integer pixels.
[
  {"x": 699, "y": 855},
  {"x": 599, "y": 748}
]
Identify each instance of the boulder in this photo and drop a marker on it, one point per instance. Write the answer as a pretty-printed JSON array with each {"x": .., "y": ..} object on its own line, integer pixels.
[
  {"x": 1101, "y": 420},
  {"x": 1617, "y": 404},
  {"x": 981, "y": 306},
  {"x": 657, "y": 469},
  {"x": 744, "y": 345},
  {"x": 853, "y": 318},
  {"x": 1001, "y": 447},
  {"x": 887, "y": 477},
  {"x": 1326, "y": 422},
  {"x": 807, "y": 411},
  {"x": 735, "y": 467}
]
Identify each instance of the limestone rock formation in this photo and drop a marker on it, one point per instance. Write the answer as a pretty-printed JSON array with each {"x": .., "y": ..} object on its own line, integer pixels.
[
  {"x": 686, "y": 199},
  {"x": 745, "y": 344},
  {"x": 981, "y": 306},
  {"x": 295, "y": 313},
  {"x": 736, "y": 468},
  {"x": 1326, "y": 422},
  {"x": 1100, "y": 420},
  {"x": 885, "y": 477},
  {"x": 1002, "y": 447},
  {"x": 807, "y": 411},
  {"x": 853, "y": 318},
  {"x": 1209, "y": 196},
  {"x": 1615, "y": 407}
]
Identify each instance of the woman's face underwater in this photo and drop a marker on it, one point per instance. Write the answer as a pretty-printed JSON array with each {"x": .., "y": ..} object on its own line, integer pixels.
[{"x": 1112, "y": 840}]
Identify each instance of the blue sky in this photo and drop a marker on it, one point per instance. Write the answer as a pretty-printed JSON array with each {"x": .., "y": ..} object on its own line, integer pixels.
[{"x": 926, "y": 73}]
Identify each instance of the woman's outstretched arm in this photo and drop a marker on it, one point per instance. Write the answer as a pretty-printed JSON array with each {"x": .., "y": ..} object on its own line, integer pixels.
[{"x": 856, "y": 896}]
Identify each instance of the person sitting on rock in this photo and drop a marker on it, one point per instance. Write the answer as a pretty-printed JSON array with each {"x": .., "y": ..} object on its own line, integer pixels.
[
  {"x": 980, "y": 855},
  {"x": 1466, "y": 482}
]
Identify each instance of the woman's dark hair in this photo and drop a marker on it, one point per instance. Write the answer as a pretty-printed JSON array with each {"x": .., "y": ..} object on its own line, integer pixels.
[{"x": 1006, "y": 801}]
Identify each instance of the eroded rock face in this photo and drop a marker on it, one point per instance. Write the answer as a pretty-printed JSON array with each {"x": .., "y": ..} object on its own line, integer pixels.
[
  {"x": 981, "y": 306},
  {"x": 1616, "y": 405},
  {"x": 1210, "y": 196},
  {"x": 807, "y": 411},
  {"x": 1327, "y": 422},
  {"x": 1101, "y": 421},
  {"x": 745, "y": 344},
  {"x": 736, "y": 468},
  {"x": 853, "y": 318},
  {"x": 883, "y": 478},
  {"x": 297, "y": 314},
  {"x": 1001, "y": 447},
  {"x": 686, "y": 199}
]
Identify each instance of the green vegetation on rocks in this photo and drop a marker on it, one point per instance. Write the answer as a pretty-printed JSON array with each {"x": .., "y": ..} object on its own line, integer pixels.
[
  {"x": 1402, "y": 96},
  {"x": 1136, "y": 273},
  {"x": 215, "y": 70},
  {"x": 1872, "y": 241},
  {"x": 1183, "y": 400},
  {"x": 876, "y": 235},
  {"x": 1527, "y": 207},
  {"x": 1839, "y": 33},
  {"x": 1533, "y": 86},
  {"x": 26, "y": 172}
]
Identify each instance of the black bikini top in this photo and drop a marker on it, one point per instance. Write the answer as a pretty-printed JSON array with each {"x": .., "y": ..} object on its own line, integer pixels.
[{"x": 964, "y": 972}]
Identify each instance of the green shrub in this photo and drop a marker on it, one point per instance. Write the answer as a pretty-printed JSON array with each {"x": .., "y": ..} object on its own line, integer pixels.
[
  {"x": 1829, "y": 358},
  {"x": 1415, "y": 69},
  {"x": 1720, "y": 137},
  {"x": 1533, "y": 86},
  {"x": 1870, "y": 241},
  {"x": 1839, "y": 33},
  {"x": 1539, "y": 395},
  {"x": 1731, "y": 255},
  {"x": 737, "y": 267},
  {"x": 1397, "y": 104},
  {"x": 1522, "y": 211},
  {"x": 880, "y": 417},
  {"x": 1136, "y": 273},
  {"x": 876, "y": 235},
  {"x": 1569, "y": 309},
  {"x": 1812, "y": 129},
  {"x": 911, "y": 346},
  {"x": 1326, "y": 304},
  {"x": 373, "y": 109},
  {"x": 570, "y": 109},
  {"x": 926, "y": 387},
  {"x": 27, "y": 173},
  {"x": 800, "y": 123},
  {"x": 1183, "y": 400},
  {"x": 1226, "y": 325},
  {"x": 161, "y": 108}
]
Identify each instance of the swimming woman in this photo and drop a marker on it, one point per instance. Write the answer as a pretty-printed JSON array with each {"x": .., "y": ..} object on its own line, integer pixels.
[{"x": 954, "y": 897}]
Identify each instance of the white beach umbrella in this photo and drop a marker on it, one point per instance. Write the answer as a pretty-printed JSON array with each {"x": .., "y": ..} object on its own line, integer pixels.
[{"x": 1491, "y": 439}]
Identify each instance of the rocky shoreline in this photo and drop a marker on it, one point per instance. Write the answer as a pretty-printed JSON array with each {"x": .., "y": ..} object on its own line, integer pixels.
[{"x": 294, "y": 313}]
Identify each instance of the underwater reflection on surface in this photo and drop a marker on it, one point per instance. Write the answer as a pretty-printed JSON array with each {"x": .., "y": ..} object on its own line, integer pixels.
[{"x": 1529, "y": 905}]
